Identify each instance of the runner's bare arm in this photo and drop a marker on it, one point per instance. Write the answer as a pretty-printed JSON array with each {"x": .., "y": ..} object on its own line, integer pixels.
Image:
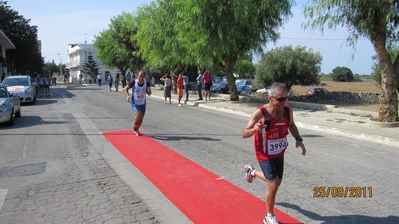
[
  {"x": 294, "y": 132},
  {"x": 255, "y": 124}
]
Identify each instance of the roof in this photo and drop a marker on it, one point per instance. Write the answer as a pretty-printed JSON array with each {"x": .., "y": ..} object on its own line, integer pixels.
[{"x": 5, "y": 42}]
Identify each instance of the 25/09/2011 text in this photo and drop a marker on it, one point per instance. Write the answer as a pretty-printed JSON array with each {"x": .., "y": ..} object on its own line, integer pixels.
[{"x": 342, "y": 192}]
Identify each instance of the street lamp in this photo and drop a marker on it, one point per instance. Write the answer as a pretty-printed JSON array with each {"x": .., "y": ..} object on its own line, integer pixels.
[{"x": 60, "y": 64}]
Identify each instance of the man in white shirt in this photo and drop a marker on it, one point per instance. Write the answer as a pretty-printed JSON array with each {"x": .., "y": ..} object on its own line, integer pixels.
[
  {"x": 99, "y": 78},
  {"x": 200, "y": 80}
]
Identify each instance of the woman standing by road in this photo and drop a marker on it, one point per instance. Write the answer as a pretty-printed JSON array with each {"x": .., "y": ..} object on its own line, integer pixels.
[
  {"x": 117, "y": 82},
  {"x": 208, "y": 84},
  {"x": 167, "y": 88},
  {"x": 180, "y": 88}
]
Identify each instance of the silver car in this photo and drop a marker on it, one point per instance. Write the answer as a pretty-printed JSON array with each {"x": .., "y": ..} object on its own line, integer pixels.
[
  {"x": 10, "y": 105},
  {"x": 21, "y": 86}
]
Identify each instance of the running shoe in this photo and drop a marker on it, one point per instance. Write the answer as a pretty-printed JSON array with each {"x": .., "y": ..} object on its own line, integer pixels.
[
  {"x": 248, "y": 169},
  {"x": 270, "y": 220},
  {"x": 136, "y": 132}
]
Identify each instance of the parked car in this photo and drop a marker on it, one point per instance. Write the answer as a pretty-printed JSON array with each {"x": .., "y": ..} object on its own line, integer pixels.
[
  {"x": 10, "y": 106},
  {"x": 266, "y": 90},
  {"x": 21, "y": 86},
  {"x": 263, "y": 90},
  {"x": 244, "y": 90},
  {"x": 221, "y": 87},
  {"x": 192, "y": 86},
  {"x": 316, "y": 91}
]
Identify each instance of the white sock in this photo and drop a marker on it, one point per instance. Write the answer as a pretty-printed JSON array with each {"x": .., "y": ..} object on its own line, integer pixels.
[{"x": 253, "y": 173}]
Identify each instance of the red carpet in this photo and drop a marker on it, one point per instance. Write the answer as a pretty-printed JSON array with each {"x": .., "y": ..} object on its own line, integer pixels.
[{"x": 197, "y": 192}]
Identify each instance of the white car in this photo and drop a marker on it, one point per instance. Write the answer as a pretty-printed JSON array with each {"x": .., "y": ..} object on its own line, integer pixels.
[
  {"x": 10, "y": 106},
  {"x": 266, "y": 90},
  {"x": 21, "y": 86}
]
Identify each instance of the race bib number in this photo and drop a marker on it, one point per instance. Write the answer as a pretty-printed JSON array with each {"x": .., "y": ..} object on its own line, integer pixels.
[{"x": 276, "y": 146}]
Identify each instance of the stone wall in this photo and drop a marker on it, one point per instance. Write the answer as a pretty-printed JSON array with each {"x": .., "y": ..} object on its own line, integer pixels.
[{"x": 335, "y": 98}]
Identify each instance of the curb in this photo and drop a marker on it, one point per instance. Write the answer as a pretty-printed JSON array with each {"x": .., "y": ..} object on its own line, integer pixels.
[
  {"x": 361, "y": 136},
  {"x": 339, "y": 132}
]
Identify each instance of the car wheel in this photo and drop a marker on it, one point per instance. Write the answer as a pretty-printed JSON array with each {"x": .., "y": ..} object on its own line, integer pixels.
[
  {"x": 18, "y": 114},
  {"x": 11, "y": 121}
]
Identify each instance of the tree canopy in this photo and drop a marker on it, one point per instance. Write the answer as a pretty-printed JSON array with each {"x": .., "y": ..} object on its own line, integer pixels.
[
  {"x": 90, "y": 65},
  {"x": 342, "y": 74},
  {"x": 209, "y": 31},
  {"x": 292, "y": 66},
  {"x": 376, "y": 20},
  {"x": 245, "y": 68},
  {"x": 115, "y": 47},
  {"x": 26, "y": 58}
]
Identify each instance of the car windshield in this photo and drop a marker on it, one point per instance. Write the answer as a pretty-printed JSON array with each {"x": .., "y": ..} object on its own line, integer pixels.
[{"x": 15, "y": 82}]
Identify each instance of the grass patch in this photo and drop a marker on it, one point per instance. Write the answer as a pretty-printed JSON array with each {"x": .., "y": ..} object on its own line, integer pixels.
[
  {"x": 354, "y": 114},
  {"x": 330, "y": 120},
  {"x": 340, "y": 119},
  {"x": 361, "y": 122}
]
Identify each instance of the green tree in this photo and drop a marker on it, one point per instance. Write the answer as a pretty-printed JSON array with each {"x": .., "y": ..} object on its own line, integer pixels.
[
  {"x": 376, "y": 68},
  {"x": 209, "y": 31},
  {"x": 50, "y": 67},
  {"x": 115, "y": 47},
  {"x": 342, "y": 74},
  {"x": 158, "y": 38},
  {"x": 26, "y": 58},
  {"x": 376, "y": 20},
  {"x": 245, "y": 68},
  {"x": 292, "y": 66},
  {"x": 90, "y": 66},
  {"x": 222, "y": 32}
]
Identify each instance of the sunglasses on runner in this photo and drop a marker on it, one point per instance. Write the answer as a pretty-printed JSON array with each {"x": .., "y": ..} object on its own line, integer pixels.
[{"x": 281, "y": 99}]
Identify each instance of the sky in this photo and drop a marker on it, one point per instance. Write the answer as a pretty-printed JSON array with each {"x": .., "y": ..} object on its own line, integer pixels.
[{"x": 63, "y": 22}]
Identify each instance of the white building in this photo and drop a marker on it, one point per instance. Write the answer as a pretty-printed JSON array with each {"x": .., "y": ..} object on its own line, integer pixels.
[
  {"x": 5, "y": 44},
  {"x": 77, "y": 57}
]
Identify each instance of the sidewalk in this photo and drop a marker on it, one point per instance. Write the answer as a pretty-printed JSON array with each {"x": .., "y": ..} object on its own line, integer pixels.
[{"x": 344, "y": 122}]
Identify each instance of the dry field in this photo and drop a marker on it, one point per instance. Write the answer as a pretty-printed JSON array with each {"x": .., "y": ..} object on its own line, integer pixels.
[{"x": 364, "y": 86}]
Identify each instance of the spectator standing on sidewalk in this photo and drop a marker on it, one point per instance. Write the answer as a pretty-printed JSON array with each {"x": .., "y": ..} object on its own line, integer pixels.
[
  {"x": 140, "y": 87},
  {"x": 179, "y": 89},
  {"x": 200, "y": 80},
  {"x": 110, "y": 81},
  {"x": 128, "y": 77},
  {"x": 123, "y": 78},
  {"x": 99, "y": 79},
  {"x": 208, "y": 84},
  {"x": 54, "y": 80},
  {"x": 117, "y": 82},
  {"x": 167, "y": 88},
  {"x": 270, "y": 124},
  {"x": 186, "y": 86}
]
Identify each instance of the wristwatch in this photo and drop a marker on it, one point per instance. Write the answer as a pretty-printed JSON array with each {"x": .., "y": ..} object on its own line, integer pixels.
[{"x": 299, "y": 138}]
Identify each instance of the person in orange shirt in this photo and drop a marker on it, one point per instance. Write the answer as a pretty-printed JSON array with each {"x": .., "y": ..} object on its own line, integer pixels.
[{"x": 180, "y": 88}]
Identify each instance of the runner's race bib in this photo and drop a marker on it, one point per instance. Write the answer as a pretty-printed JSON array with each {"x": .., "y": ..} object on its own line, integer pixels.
[{"x": 276, "y": 146}]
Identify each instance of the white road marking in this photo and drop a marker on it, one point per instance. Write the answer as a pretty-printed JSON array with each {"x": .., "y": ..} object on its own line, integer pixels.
[{"x": 3, "y": 193}]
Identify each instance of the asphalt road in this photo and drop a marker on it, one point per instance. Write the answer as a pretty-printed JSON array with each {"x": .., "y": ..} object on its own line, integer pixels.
[{"x": 87, "y": 181}]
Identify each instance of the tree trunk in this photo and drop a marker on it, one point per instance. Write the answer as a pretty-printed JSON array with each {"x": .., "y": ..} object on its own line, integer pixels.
[
  {"x": 388, "y": 98},
  {"x": 228, "y": 71},
  {"x": 175, "y": 75}
]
